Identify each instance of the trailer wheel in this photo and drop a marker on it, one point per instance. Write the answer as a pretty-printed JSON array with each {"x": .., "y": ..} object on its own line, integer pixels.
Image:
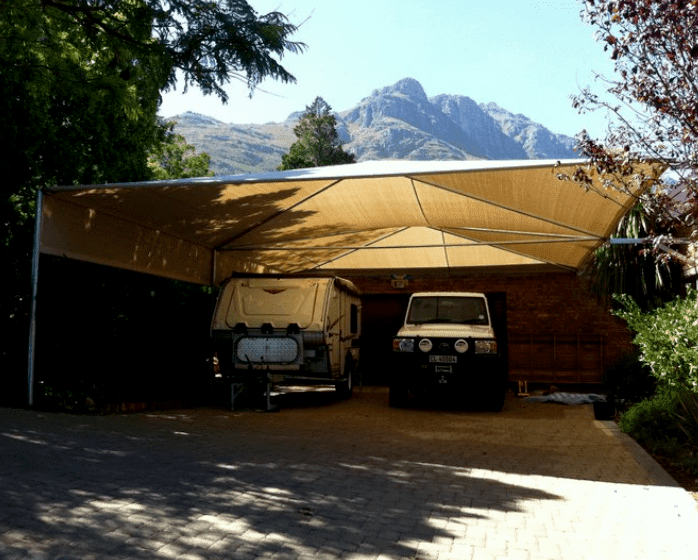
[{"x": 346, "y": 387}]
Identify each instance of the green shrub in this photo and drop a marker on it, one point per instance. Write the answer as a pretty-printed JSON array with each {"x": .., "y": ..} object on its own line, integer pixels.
[
  {"x": 667, "y": 424},
  {"x": 688, "y": 416},
  {"x": 667, "y": 338},
  {"x": 654, "y": 423}
]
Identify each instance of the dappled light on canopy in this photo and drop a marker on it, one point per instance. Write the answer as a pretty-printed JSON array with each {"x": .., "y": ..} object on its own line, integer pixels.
[{"x": 375, "y": 216}]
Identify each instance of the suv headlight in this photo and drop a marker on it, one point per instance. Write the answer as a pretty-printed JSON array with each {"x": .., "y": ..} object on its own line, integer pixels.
[
  {"x": 403, "y": 344},
  {"x": 425, "y": 345},
  {"x": 485, "y": 346}
]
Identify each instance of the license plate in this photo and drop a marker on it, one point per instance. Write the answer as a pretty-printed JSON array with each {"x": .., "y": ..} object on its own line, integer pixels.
[{"x": 443, "y": 359}]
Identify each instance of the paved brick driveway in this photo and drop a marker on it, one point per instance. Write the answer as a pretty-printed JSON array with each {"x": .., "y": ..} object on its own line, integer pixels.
[{"x": 323, "y": 479}]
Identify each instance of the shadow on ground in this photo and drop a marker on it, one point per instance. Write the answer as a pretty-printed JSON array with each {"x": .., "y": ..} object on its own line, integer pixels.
[{"x": 320, "y": 475}]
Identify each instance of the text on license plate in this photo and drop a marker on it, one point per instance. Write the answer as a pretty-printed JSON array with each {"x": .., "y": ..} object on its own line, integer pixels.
[{"x": 443, "y": 359}]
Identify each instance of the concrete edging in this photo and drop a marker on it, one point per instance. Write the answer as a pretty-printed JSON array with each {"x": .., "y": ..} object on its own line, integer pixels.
[{"x": 640, "y": 455}]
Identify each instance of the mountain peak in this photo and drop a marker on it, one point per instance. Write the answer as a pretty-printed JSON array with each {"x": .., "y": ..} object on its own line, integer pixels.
[
  {"x": 190, "y": 118},
  {"x": 395, "y": 122},
  {"x": 409, "y": 87}
]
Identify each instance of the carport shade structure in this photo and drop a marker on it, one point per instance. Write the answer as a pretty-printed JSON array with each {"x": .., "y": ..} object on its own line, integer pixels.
[{"x": 390, "y": 216}]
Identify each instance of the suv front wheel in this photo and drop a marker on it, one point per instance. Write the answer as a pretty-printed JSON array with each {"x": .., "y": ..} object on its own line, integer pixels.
[{"x": 398, "y": 395}]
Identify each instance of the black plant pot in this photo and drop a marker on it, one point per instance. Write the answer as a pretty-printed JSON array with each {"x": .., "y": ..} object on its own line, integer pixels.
[{"x": 605, "y": 410}]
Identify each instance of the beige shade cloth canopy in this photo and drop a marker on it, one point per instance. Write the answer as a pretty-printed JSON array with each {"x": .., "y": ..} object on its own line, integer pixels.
[{"x": 396, "y": 216}]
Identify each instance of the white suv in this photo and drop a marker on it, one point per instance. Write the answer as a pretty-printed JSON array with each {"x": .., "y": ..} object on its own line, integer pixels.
[{"x": 447, "y": 344}]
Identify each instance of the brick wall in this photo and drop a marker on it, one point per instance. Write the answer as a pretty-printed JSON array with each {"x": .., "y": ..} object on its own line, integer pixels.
[{"x": 557, "y": 330}]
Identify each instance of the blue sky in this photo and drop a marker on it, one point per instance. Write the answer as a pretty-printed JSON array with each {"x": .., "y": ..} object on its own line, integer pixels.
[{"x": 526, "y": 56}]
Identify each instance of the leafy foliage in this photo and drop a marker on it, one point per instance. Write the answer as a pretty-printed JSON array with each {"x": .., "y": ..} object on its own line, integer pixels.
[
  {"x": 318, "y": 143},
  {"x": 688, "y": 416},
  {"x": 652, "y": 99},
  {"x": 81, "y": 83},
  {"x": 667, "y": 338},
  {"x": 632, "y": 270},
  {"x": 654, "y": 44},
  {"x": 667, "y": 425},
  {"x": 654, "y": 423},
  {"x": 175, "y": 159}
]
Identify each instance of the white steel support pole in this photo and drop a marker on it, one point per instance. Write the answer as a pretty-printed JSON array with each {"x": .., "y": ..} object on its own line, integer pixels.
[{"x": 35, "y": 286}]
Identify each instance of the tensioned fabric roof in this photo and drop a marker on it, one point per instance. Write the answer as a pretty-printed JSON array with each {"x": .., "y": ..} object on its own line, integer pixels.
[{"x": 380, "y": 216}]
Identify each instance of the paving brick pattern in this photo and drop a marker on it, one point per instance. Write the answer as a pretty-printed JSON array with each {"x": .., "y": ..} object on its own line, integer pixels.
[{"x": 326, "y": 479}]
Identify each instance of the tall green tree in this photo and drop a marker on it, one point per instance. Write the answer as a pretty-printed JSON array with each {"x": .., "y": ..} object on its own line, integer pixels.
[
  {"x": 81, "y": 83},
  {"x": 318, "y": 143},
  {"x": 175, "y": 159},
  {"x": 81, "y": 80}
]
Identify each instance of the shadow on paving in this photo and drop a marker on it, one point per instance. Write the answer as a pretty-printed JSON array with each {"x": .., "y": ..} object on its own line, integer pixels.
[{"x": 320, "y": 475}]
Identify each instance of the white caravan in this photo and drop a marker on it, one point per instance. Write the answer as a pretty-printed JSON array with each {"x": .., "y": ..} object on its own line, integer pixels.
[{"x": 296, "y": 330}]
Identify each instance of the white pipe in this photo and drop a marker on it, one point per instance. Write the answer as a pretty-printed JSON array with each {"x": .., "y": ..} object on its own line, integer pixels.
[{"x": 35, "y": 286}]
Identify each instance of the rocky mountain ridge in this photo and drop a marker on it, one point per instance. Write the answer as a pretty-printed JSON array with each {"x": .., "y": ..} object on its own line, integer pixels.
[{"x": 395, "y": 122}]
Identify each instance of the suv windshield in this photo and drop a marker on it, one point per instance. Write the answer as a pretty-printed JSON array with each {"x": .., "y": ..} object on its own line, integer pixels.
[{"x": 448, "y": 309}]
